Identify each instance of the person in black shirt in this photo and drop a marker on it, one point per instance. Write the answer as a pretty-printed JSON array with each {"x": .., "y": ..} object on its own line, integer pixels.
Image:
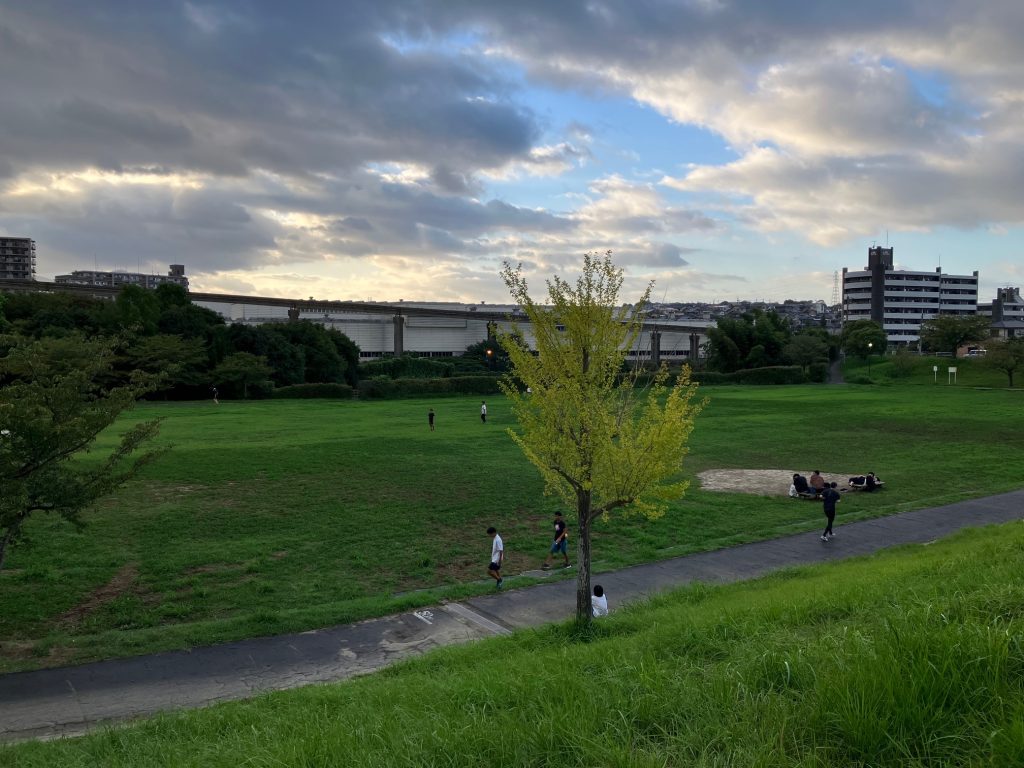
[
  {"x": 560, "y": 543},
  {"x": 430, "y": 419},
  {"x": 830, "y": 498}
]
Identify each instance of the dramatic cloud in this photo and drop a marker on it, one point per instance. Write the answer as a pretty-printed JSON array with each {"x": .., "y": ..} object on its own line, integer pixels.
[{"x": 368, "y": 146}]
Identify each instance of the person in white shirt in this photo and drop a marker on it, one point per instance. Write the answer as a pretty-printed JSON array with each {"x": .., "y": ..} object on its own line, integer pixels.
[
  {"x": 483, "y": 411},
  {"x": 497, "y": 556},
  {"x": 598, "y": 602}
]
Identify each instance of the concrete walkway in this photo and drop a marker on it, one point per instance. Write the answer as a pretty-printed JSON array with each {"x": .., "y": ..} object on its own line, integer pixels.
[
  {"x": 68, "y": 701},
  {"x": 835, "y": 373}
]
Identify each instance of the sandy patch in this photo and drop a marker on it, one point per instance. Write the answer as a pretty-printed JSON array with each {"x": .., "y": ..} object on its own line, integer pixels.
[{"x": 762, "y": 482}]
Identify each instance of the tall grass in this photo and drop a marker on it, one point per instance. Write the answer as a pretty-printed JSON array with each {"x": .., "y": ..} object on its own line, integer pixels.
[{"x": 909, "y": 658}]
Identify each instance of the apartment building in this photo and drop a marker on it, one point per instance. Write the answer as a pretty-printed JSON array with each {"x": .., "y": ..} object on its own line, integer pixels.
[
  {"x": 1007, "y": 314},
  {"x": 901, "y": 300},
  {"x": 176, "y": 275},
  {"x": 17, "y": 258}
]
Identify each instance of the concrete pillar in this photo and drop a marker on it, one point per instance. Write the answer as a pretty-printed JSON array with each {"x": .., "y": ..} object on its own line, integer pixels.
[
  {"x": 655, "y": 348},
  {"x": 399, "y": 335},
  {"x": 293, "y": 314},
  {"x": 694, "y": 348}
]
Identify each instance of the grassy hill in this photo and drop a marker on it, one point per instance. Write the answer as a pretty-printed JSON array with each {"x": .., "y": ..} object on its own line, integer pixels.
[
  {"x": 913, "y": 657},
  {"x": 277, "y": 516}
]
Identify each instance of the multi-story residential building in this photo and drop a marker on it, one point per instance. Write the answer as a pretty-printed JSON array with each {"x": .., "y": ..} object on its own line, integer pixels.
[
  {"x": 1007, "y": 313},
  {"x": 901, "y": 300},
  {"x": 17, "y": 258},
  {"x": 176, "y": 275}
]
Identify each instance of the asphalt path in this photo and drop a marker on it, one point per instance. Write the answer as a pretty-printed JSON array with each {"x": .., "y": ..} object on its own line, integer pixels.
[{"x": 68, "y": 701}]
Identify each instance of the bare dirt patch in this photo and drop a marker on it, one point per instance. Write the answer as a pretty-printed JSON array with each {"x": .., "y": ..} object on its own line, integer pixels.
[
  {"x": 761, "y": 482},
  {"x": 122, "y": 583}
]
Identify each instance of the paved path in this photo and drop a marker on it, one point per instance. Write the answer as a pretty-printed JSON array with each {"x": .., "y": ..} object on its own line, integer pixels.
[
  {"x": 835, "y": 373},
  {"x": 56, "y": 702}
]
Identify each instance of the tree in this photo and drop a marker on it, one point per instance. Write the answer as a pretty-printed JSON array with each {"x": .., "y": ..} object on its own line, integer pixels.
[
  {"x": 138, "y": 309},
  {"x": 323, "y": 364},
  {"x": 753, "y": 340},
  {"x": 52, "y": 407},
  {"x": 243, "y": 370},
  {"x": 490, "y": 354},
  {"x": 805, "y": 349},
  {"x": 1006, "y": 356},
  {"x": 286, "y": 360},
  {"x": 950, "y": 332},
  {"x": 600, "y": 445},
  {"x": 181, "y": 361},
  {"x": 863, "y": 337}
]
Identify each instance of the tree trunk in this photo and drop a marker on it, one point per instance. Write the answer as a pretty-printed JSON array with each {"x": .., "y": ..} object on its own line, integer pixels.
[
  {"x": 8, "y": 536},
  {"x": 584, "y": 612}
]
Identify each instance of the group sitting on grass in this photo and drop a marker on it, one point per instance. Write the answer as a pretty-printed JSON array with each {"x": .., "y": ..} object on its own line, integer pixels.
[
  {"x": 802, "y": 488},
  {"x": 868, "y": 482},
  {"x": 813, "y": 487}
]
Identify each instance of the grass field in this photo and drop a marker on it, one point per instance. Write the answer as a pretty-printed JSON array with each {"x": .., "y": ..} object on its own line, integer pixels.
[
  {"x": 914, "y": 657},
  {"x": 277, "y": 516}
]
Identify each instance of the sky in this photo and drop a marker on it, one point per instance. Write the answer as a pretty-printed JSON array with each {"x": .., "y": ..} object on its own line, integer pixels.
[{"x": 349, "y": 149}]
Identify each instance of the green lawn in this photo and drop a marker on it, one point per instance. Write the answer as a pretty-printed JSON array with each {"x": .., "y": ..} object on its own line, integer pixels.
[
  {"x": 913, "y": 657},
  {"x": 285, "y": 515}
]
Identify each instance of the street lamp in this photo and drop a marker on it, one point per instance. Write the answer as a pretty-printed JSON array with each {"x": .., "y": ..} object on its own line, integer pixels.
[{"x": 870, "y": 345}]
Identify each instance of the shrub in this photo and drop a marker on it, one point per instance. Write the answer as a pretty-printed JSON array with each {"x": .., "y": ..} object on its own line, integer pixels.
[
  {"x": 818, "y": 373},
  {"x": 302, "y": 391}
]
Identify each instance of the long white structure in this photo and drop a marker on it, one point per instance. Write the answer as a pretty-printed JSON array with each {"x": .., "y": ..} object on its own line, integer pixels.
[{"x": 383, "y": 334}]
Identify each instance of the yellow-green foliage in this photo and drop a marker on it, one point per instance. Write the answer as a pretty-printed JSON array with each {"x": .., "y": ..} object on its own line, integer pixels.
[{"x": 593, "y": 434}]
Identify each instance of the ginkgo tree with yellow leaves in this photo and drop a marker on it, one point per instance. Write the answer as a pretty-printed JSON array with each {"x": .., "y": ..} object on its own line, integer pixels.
[{"x": 602, "y": 442}]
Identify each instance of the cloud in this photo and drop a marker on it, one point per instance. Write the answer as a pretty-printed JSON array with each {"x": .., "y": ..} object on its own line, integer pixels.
[{"x": 370, "y": 138}]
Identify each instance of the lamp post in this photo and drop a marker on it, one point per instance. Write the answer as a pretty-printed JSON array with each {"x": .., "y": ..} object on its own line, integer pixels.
[{"x": 870, "y": 345}]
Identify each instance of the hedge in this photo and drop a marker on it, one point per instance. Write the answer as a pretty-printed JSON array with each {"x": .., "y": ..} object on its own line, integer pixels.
[
  {"x": 773, "y": 374},
  {"x": 340, "y": 391},
  {"x": 406, "y": 367},
  {"x": 381, "y": 388}
]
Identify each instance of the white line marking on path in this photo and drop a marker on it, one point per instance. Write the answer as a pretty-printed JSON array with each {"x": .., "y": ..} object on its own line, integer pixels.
[
  {"x": 477, "y": 619},
  {"x": 424, "y": 616}
]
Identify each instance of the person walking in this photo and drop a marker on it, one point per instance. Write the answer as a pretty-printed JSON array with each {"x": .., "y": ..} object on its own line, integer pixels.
[
  {"x": 483, "y": 411},
  {"x": 829, "y": 498},
  {"x": 213, "y": 391},
  {"x": 497, "y": 557},
  {"x": 560, "y": 543},
  {"x": 430, "y": 419}
]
